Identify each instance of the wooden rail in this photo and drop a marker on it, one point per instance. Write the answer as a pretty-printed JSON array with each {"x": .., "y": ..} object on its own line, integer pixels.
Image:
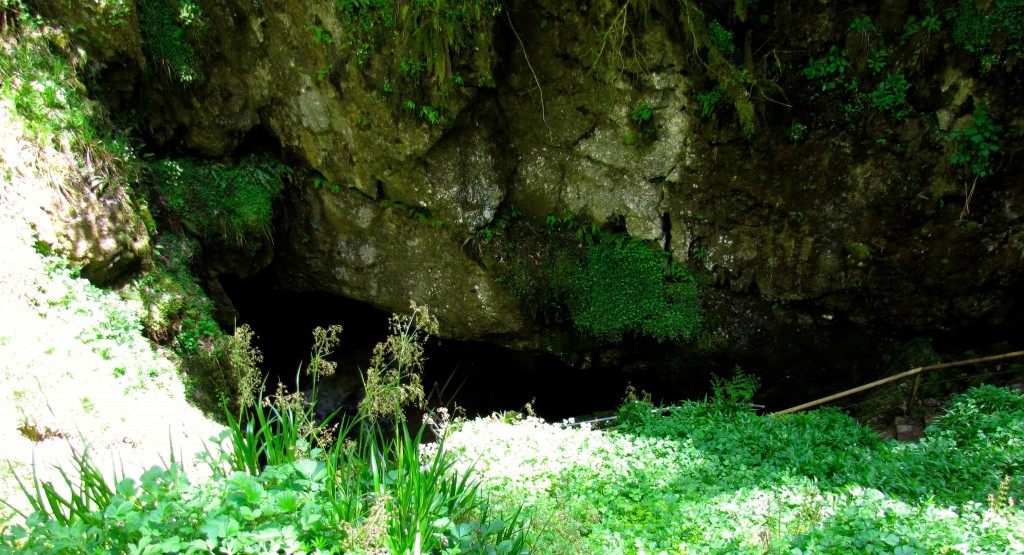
[{"x": 900, "y": 376}]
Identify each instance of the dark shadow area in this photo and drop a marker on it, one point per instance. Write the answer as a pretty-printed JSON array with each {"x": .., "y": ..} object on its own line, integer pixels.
[
  {"x": 797, "y": 360},
  {"x": 483, "y": 378},
  {"x": 479, "y": 377}
]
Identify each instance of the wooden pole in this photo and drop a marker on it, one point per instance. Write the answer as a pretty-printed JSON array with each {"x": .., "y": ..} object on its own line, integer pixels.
[
  {"x": 913, "y": 395},
  {"x": 899, "y": 376}
]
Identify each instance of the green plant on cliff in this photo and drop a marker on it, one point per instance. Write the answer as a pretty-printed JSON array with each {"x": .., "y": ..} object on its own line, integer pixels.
[
  {"x": 165, "y": 26},
  {"x": 41, "y": 71},
  {"x": 829, "y": 70},
  {"x": 976, "y": 144},
  {"x": 721, "y": 38},
  {"x": 644, "y": 132},
  {"x": 212, "y": 200},
  {"x": 891, "y": 96},
  {"x": 607, "y": 285},
  {"x": 624, "y": 287},
  {"x": 990, "y": 31},
  {"x": 423, "y": 46},
  {"x": 618, "y": 49}
]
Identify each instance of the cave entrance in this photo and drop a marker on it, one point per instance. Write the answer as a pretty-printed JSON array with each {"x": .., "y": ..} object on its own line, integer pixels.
[{"x": 479, "y": 377}]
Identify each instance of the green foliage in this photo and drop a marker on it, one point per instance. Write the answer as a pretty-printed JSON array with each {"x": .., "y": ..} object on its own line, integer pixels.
[
  {"x": 830, "y": 70},
  {"x": 494, "y": 229},
  {"x": 694, "y": 478},
  {"x": 987, "y": 418},
  {"x": 644, "y": 132},
  {"x": 834, "y": 73},
  {"x": 976, "y": 144},
  {"x": 177, "y": 313},
  {"x": 797, "y": 132},
  {"x": 991, "y": 32},
  {"x": 929, "y": 25},
  {"x": 858, "y": 252},
  {"x": 372, "y": 490},
  {"x": 283, "y": 429},
  {"x": 164, "y": 26},
  {"x": 712, "y": 45},
  {"x": 709, "y": 101},
  {"x": 877, "y": 59},
  {"x": 232, "y": 202},
  {"x": 39, "y": 72},
  {"x": 320, "y": 36},
  {"x": 423, "y": 46},
  {"x": 392, "y": 380},
  {"x": 606, "y": 284},
  {"x": 862, "y": 25},
  {"x": 891, "y": 96},
  {"x": 736, "y": 392},
  {"x": 721, "y": 38},
  {"x": 627, "y": 288},
  {"x": 170, "y": 294}
]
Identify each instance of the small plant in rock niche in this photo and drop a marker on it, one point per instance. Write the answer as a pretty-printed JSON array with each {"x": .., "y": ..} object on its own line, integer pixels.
[
  {"x": 709, "y": 101},
  {"x": 643, "y": 132},
  {"x": 976, "y": 144}
]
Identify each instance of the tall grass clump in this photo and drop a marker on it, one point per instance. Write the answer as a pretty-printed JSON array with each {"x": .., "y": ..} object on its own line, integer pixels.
[{"x": 283, "y": 482}]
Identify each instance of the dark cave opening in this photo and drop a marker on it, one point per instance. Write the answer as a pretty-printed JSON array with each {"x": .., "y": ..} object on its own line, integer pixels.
[
  {"x": 481, "y": 378},
  {"x": 796, "y": 363}
]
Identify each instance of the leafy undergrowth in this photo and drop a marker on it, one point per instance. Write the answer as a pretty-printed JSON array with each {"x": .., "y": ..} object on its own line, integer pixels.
[
  {"x": 278, "y": 483},
  {"x": 706, "y": 477},
  {"x": 698, "y": 477},
  {"x": 74, "y": 365}
]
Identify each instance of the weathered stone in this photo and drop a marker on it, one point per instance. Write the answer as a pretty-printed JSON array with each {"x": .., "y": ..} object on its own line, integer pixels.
[
  {"x": 767, "y": 218},
  {"x": 908, "y": 428},
  {"x": 85, "y": 214},
  {"x": 347, "y": 244}
]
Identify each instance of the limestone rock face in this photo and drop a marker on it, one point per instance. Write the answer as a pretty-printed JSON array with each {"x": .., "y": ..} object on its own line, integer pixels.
[
  {"x": 347, "y": 244},
  {"x": 104, "y": 234},
  {"x": 86, "y": 214},
  {"x": 860, "y": 218}
]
